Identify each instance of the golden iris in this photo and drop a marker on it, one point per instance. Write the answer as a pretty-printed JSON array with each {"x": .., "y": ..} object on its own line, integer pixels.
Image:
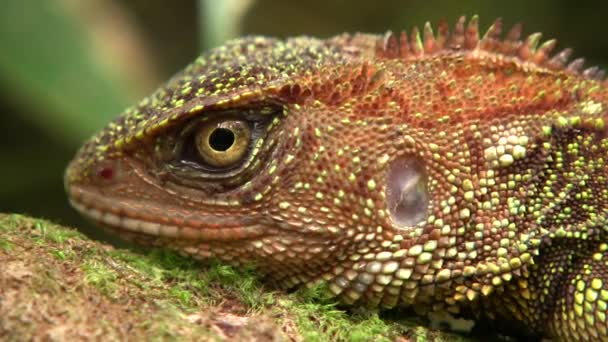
[{"x": 223, "y": 143}]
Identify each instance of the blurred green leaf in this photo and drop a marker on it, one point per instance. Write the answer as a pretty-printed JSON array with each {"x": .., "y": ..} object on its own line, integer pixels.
[
  {"x": 47, "y": 64},
  {"x": 221, "y": 20}
]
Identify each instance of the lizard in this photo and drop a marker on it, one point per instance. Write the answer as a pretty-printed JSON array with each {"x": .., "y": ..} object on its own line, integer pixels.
[{"x": 449, "y": 171}]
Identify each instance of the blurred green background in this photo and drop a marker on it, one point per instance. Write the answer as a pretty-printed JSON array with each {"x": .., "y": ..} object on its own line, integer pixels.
[{"x": 69, "y": 66}]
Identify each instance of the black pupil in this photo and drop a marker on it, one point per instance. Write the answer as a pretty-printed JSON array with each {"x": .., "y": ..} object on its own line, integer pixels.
[{"x": 221, "y": 139}]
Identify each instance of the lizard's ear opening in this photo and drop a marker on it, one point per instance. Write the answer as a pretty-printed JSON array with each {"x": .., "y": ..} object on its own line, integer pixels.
[{"x": 407, "y": 192}]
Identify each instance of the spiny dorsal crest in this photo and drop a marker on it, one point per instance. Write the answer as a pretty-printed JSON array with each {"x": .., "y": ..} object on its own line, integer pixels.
[{"x": 465, "y": 37}]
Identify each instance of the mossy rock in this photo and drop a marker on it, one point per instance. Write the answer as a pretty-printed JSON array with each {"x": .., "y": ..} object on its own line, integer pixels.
[{"x": 57, "y": 284}]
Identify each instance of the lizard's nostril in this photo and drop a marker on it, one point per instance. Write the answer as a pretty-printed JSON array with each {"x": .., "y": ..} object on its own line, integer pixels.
[{"x": 106, "y": 173}]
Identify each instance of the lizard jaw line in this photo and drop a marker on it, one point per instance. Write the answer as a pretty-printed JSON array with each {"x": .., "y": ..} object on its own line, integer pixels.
[
  {"x": 146, "y": 227},
  {"x": 125, "y": 223}
]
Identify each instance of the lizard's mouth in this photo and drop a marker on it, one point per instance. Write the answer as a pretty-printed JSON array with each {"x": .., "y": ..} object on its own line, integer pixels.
[{"x": 145, "y": 218}]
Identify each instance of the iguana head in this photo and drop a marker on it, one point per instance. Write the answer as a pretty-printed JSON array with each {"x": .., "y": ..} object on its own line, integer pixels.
[{"x": 365, "y": 160}]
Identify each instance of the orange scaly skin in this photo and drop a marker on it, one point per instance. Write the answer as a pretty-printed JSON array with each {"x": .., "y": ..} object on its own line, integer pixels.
[{"x": 449, "y": 172}]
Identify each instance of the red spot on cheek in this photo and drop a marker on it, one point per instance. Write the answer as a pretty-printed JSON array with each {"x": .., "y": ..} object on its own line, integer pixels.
[{"x": 106, "y": 173}]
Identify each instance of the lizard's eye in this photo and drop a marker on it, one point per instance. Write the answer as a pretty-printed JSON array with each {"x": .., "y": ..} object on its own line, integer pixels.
[
  {"x": 220, "y": 150},
  {"x": 407, "y": 193},
  {"x": 223, "y": 143}
]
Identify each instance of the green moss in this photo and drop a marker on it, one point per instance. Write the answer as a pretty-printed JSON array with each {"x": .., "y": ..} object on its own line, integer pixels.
[
  {"x": 242, "y": 282},
  {"x": 100, "y": 276},
  {"x": 319, "y": 319},
  {"x": 151, "y": 273},
  {"x": 182, "y": 295},
  {"x": 209, "y": 281},
  {"x": 55, "y": 234},
  {"x": 5, "y": 227},
  {"x": 188, "y": 286},
  {"x": 42, "y": 230},
  {"x": 5, "y": 244},
  {"x": 8, "y": 223},
  {"x": 60, "y": 254}
]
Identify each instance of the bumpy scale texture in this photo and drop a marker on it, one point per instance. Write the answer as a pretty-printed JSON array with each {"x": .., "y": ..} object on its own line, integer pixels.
[{"x": 445, "y": 171}]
